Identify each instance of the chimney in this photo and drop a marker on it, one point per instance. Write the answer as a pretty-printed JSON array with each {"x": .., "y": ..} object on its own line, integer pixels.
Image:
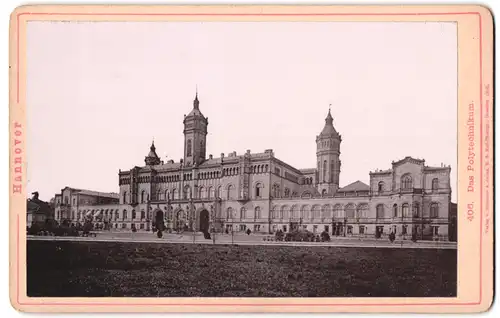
[
  {"x": 210, "y": 157},
  {"x": 222, "y": 155}
]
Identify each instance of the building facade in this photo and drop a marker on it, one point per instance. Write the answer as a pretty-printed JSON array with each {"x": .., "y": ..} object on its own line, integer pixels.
[{"x": 260, "y": 192}]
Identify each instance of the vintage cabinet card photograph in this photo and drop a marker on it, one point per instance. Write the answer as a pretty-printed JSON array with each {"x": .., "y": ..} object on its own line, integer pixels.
[{"x": 251, "y": 158}]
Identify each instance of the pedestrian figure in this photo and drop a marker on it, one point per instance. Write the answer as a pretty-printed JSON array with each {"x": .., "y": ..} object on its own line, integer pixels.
[{"x": 392, "y": 237}]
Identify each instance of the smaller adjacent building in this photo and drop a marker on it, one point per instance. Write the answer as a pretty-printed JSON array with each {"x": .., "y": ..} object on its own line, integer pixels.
[
  {"x": 38, "y": 211},
  {"x": 73, "y": 205}
]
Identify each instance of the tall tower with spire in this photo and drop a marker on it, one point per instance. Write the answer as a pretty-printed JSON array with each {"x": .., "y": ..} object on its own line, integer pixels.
[
  {"x": 195, "y": 135},
  {"x": 328, "y": 153}
]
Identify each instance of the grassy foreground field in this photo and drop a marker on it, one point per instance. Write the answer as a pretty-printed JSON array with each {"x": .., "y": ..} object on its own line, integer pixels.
[{"x": 96, "y": 269}]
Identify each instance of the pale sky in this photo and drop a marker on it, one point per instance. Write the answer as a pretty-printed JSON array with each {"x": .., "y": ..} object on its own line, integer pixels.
[{"x": 98, "y": 93}]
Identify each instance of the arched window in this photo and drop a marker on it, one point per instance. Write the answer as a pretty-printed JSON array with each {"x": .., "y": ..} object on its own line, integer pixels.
[
  {"x": 167, "y": 195},
  {"x": 304, "y": 212},
  {"x": 174, "y": 194},
  {"x": 202, "y": 192},
  {"x": 210, "y": 192},
  {"x": 287, "y": 192},
  {"x": 316, "y": 212},
  {"x": 306, "y": 195},
  {"x": 337, "y": 211},
  {"x": 188, "y": 148},
  {"x": 325, "y": 212},
  {"x": 380, "y": 211},
  {"x": 324, "y": 170},
  {"x": 285, "y": 212},
  {"x": 218, "y": 193},
  {"x": 434, "y": 210},
  {"x": 362, "y": 210},
  {"x": 381, "y": 186},
  {"x": 295, "y": 212},
  {"x": 230, "y": 192},
  {"x": 117, "y": 215},
  {"x": 186, "y": 193},
  {"x": 143, "y": 214},
  {"x": 406, "y": 210},
  {"x": 435, "y": 184},
  {"x": 229, "y": 214},
  {"x": 125, "y": 214},
  {"x": 395, "y": 211},
  {"x": 257, "y": 213},
  {"x": 143, "y": 196},
  {"x": 349, "y": 210},
  {"x": 275, "y": 212},
  {"x": 276, "y": 191},
  {"x": 124, "y": 196},
  {"x": 406, "y": 182},
  {"x": 243, "y": 213},
  {"x": 133, "y": 215},
  {"x": 258, "y": 190},
  {"x": 416, "y": 209}
]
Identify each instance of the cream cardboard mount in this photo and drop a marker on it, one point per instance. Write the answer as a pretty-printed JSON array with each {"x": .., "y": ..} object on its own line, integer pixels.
[{"x": 390, "y": 211}]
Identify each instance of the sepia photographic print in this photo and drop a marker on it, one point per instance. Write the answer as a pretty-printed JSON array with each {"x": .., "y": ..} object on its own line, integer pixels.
[{"x": 251, "y": 158}]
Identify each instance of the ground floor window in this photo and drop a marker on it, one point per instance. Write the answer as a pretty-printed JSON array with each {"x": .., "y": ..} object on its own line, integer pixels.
[
  {"x": 275, "y": 228},
  {"x": 116, "y": 225},
  {"x": 394, "y": 230},
  {"x": 379, "y": 230},
  {"x": 304, "y": 227},
  {"x": 327, "y": 228},
  {"x": 124, "y": 226},
  {"x": 435, "y": 230},
  {"x": 284, "y": 228},
  {"x": 315, "y": 229},
  {"x": 361, "y": 229},
  {"x": 349, "y": 229},
  {"x": 142, "y": 226},
  {"x": 405, "y": 229},
  {"x": 256, "y": 228},
  {"x": 243, "y": 227}
]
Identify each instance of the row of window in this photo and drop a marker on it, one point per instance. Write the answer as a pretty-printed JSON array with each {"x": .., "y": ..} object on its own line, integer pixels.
[
  {"x": 350, "y": 211},
  {"x": 202, "y": 193},
  {"x": 407, "y": 183},
  {"x": 406, "y": 212}
]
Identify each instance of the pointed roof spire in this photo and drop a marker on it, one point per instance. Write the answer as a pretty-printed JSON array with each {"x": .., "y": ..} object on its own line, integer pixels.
[
  {"x": 196, "y": 102},
  {"x": 152, "y": 158},
  {"x": 329, "y": 118},
  {"x": 329, "y": 129}
]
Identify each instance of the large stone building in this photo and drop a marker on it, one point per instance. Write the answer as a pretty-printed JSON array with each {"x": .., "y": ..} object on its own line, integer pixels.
[{"x": 260, "y": 192}]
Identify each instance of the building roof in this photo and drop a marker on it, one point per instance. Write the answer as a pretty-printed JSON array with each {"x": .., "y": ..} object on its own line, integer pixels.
[
  {"x": 308, "y": 170},
  {"x": 100, "y": 194},
  {"x": 38, "y": 207},
  {"x": 328, "y": 130},
  {"x": 408, "y": 159},
  {"x": 355, "y": 186},
  {"x": 95, "y": 193},
  {"x": 196, "y": 109}
]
